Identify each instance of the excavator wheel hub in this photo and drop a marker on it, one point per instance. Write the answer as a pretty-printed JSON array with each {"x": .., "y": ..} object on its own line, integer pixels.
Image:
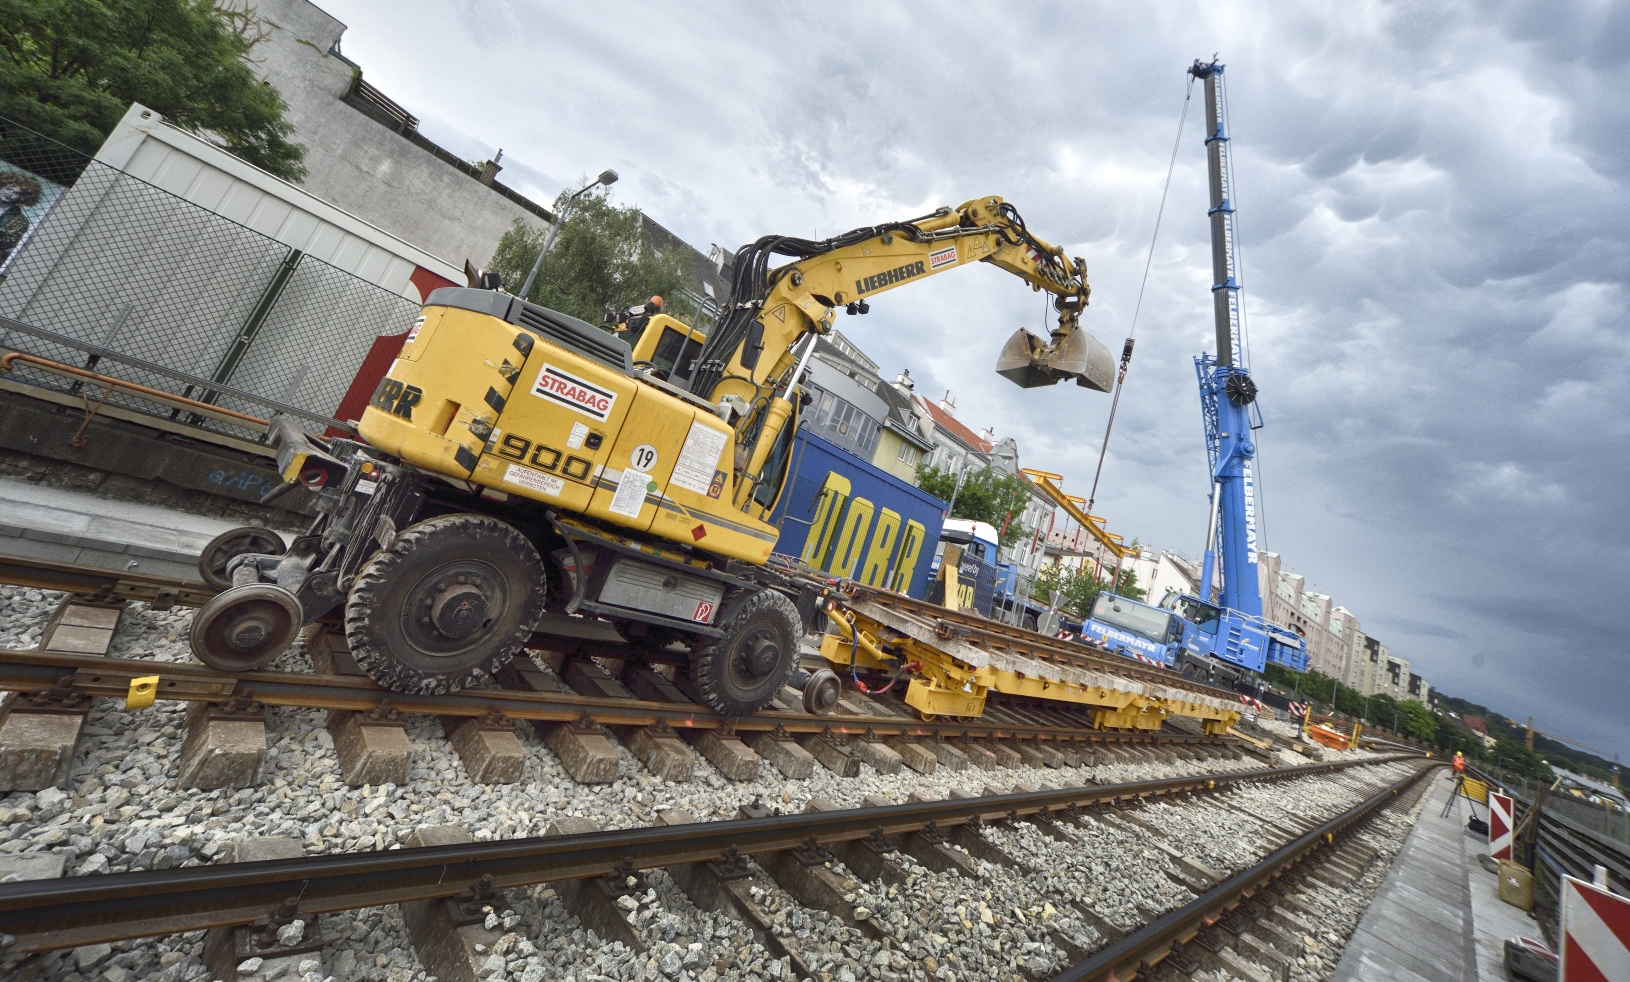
[
  {"x": 460, "y": 611},
  {"x": 759, "y": 656}
]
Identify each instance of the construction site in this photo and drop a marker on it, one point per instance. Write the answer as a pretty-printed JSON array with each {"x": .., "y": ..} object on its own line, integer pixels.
[{"x": 411, "y": 574}]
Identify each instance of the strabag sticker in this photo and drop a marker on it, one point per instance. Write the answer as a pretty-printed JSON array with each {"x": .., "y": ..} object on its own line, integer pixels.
[
  {"x": 630, "y": 497},
  {"x": 526, "y": 477},
  {"x": 558, "y": 385},
  {"x": 941, "y": 258},
  {"x": 579, "y": 431},
  {"x": 414, "y": 331},
  {"x": 699, "y": 458}
]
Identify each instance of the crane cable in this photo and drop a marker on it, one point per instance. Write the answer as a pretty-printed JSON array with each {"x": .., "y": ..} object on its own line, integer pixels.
[{"x": 1126, "y": 351}]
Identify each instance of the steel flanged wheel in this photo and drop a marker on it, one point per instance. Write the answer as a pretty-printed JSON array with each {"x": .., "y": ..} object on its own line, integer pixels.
[
  {"x": 741, "y": 672},
  {"x": 821, "y": 692},
  {"x": 452, "y": 598},
  {"x": 246, "y": 627},
  {"x": 231, "y": 544}
]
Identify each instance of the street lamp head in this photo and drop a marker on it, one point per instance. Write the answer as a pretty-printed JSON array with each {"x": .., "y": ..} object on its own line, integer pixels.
[{"x": 607, "y": 177}]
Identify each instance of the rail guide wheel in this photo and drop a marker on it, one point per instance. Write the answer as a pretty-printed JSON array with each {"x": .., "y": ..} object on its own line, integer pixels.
[
  {"x": 231, "y": 544},
  {"x": 453, "y": 598},
  {"x": 740, "y": 673},
  {"x": 245, "y": 628}
]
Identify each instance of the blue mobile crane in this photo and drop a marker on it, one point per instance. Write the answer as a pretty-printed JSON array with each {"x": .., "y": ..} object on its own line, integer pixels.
[{"x": 1225, "y": 640}]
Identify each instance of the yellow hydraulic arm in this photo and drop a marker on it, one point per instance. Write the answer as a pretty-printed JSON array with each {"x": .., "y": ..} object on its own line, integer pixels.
[{"x": 750, "y": 355}]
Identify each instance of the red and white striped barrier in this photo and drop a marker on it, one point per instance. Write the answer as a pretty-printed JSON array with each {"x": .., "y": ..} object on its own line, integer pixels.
[
  {"x": 1499, "y": 825},
  {"x": 1298, "y": 709},
  {"x": 1595, "y": 934}
]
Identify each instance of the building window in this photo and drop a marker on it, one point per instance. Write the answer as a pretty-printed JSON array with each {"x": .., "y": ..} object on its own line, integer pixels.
[
  {"x": 842, "y": 423},
  {"x": 908, "y": 454}
]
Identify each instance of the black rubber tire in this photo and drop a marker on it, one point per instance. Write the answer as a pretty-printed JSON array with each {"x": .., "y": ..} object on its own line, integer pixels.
[
  {"x": 389, "y": 629},
  {"x": 723, "y": 670},
  {"x": 234, "y": 543}
]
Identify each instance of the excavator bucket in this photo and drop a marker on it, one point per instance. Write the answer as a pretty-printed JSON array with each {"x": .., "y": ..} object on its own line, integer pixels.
[{"x": 1030, "y": 362}]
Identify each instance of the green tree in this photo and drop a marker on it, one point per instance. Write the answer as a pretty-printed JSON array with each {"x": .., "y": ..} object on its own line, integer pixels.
[
  {"x": 984, "y": 496},
  {"x": 602, "y": 258},
  {"x": 1417, "y": 720},
  {"x": 70, "y": 68},
  {"x": 1080, "y": 588}
]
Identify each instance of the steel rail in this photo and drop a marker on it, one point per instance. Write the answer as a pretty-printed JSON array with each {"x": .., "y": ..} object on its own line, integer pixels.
[
  {"x": 44, "y": 672},
  {"x": 164, "y": 592},
  {"x": 1147, "y": 946},
  {"x": 995, "y": 634},
  {"x": 42, "y": 915}
]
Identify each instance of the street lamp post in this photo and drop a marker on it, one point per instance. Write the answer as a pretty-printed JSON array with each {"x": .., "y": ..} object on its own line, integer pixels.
[{"x": 607, "y": 178}]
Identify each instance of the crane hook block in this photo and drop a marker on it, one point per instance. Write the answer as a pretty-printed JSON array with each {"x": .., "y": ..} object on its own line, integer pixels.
[{"x": 1028, "y": 361}]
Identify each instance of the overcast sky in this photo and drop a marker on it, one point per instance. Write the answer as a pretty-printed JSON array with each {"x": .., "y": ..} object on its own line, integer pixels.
[{"x": 1433, "y": 223}]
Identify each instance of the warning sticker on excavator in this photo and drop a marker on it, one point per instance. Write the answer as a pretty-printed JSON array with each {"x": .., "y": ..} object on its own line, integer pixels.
[
  {"x": 940, "y": 258},
  {"x": 699, "y": 458},
  {"x": 630, "y": 497},
  {"x": 526, "y": 477}
]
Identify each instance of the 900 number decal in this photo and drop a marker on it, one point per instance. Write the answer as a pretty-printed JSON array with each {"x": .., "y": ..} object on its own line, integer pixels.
[{"x": 544, "y": 458}]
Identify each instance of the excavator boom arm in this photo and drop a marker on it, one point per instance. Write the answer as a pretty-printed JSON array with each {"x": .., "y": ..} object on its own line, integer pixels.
[{"x": 750, "y": 353}]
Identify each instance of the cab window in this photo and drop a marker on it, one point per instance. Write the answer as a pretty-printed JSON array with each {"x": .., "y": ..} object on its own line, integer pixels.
[
  {"x": 1200, "y": 614},
  {"x": 675, "y": 355}
]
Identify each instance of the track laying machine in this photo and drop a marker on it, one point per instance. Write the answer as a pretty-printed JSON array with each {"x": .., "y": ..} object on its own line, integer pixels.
[{"x": 519, "y": 471}]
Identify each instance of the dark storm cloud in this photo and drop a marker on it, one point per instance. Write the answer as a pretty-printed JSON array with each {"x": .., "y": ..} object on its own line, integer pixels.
[{"x": 1432, "y": 210}]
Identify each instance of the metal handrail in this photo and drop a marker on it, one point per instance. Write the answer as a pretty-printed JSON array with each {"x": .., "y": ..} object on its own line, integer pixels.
[
  {"x": 140, "y": 391},
  {"x": 11, "y": 324}
]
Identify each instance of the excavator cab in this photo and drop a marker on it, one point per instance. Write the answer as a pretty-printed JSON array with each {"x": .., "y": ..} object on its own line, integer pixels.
[{"x": 667, "y": 349}]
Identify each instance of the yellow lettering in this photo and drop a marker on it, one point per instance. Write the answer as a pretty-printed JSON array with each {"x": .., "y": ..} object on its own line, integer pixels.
[
  {"x": 852, "y": 540},
  {"x": 911, "y": 547},
  {"x": 876, "y": 566},
  {"x": 828, "y": 507}
]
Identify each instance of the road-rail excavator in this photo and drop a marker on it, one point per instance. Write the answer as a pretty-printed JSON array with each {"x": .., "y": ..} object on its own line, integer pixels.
[{"x": 518, "y": 471}]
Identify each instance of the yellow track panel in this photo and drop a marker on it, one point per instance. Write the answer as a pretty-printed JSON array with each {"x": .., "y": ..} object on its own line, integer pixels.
[{"x": 951, "y": 674}]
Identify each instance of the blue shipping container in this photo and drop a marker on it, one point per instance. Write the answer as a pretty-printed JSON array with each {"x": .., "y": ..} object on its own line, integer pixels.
[{"x": 843, "y": 515}]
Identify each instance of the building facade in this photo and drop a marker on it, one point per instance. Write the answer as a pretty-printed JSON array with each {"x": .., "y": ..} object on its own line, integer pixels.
[{"x": 366, "y": 156}]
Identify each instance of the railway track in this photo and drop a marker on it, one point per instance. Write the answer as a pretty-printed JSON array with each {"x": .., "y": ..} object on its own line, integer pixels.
[
  {"x": 565, "y": 693},
  {"x": 164, "y": 592},
  {"x": 563, "y": 689},
  {"x": 819, "y": 860}
]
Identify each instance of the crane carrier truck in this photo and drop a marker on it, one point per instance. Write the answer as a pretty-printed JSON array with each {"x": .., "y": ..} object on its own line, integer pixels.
[{"x": 1221, "y": 642}]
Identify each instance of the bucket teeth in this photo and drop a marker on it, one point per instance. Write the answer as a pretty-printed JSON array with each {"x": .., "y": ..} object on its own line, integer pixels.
[{"x": 1030, "y": 362}]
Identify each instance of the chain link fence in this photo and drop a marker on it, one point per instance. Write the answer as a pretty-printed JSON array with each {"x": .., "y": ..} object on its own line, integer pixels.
[{"x": 102, "y": 270}]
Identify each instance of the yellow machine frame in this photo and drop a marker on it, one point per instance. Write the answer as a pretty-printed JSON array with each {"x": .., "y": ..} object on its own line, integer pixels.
[
  {"x": 951, "y": 677},
  {"x": 477, "y": 398}
]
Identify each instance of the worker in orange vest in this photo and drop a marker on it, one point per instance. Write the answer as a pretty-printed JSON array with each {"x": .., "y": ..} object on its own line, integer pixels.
[{"x": 1460, "y": 763}]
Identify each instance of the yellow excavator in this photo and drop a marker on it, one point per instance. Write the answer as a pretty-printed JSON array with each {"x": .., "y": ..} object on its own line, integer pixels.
[{"x": 520, "y": 470}]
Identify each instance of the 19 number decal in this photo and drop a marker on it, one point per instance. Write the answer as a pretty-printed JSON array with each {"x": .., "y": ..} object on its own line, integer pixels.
[{"x": 642, "y": 458}]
